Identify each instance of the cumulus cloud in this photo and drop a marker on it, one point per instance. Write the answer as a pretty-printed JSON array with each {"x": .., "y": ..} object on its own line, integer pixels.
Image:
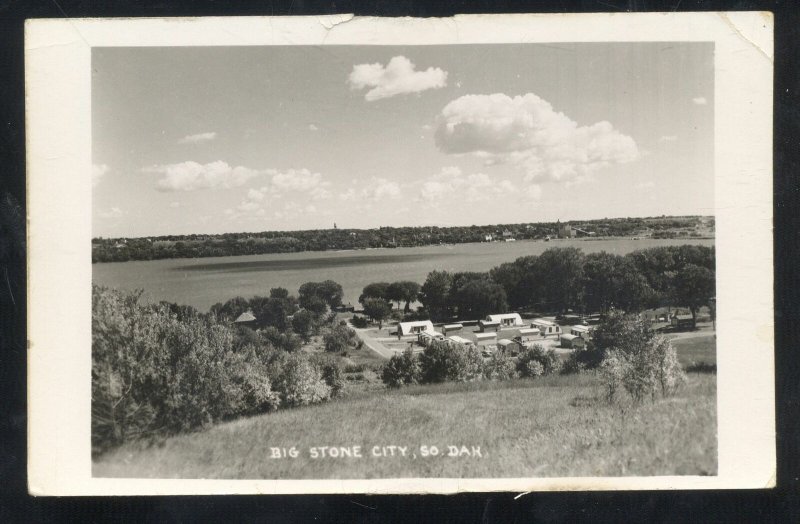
[
  {"x": 373, "y": 190},
  {"x": 114, "y": 212},
  {"x": 191, "y": 176},
  {"x": 98, "y": 171},
  {"x": 526, "y": 131},
  {"x": 451, "y": 182},
  {"x": 668, "y": 138},
  {"x": 174, "y": 205},
  {"x": 312, "y": 127},
  {"x": 699, "y": 101},
  {"x": 292, "y": 184},
  {"x": 397, "y": 77},
  {"x": 198, "y": 138}
]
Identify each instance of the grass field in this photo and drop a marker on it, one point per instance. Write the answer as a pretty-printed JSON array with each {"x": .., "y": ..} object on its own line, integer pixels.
[{"x": 553, "y": 426}]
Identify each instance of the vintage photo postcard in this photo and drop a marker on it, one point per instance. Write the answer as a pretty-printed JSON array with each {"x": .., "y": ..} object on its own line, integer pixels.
[{"x": 357, "y": 255}]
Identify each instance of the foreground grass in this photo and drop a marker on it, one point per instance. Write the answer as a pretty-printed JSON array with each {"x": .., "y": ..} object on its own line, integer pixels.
[{"x": 557, "y": 426}]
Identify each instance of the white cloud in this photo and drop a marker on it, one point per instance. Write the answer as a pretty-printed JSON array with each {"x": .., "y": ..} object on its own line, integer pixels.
[
  {"x": 451, "y": 183},
  {"x": 300, "y": 181},
  {"x": 175, "y": 204},
  {"x": 198, "y": 138},
  {"x": 397, "y": 77},
  {"x": 646, "y": 185},
  {"x": 114, "y": 212},
  {"x": 668, "y": 138},
  {"x": 527, "y": 132},
  {"x": 373, "y": 190},
  {"x": 191, "y": 176},
  {"x": 699, "y": 101},
  {"x": 98, "y": 171},
  {"x": 312, "y": 127}
]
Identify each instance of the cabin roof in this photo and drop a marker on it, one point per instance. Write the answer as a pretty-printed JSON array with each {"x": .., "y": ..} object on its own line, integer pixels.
[{"x": 245, "y": 317}]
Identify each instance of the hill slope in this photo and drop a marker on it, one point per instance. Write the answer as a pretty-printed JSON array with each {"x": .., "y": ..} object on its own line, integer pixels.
[{"x": 551, "y": 427}]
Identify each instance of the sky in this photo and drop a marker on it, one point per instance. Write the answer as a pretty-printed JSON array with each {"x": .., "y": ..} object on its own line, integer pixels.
[{"x": 235, "y": 139}]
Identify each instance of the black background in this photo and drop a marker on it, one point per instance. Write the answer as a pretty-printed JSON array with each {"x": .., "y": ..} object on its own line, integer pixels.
[{"x": 776, "y": 505}]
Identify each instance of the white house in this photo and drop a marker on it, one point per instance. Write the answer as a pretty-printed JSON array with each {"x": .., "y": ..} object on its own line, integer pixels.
[
  {"x": 488, "y": 325},
  {"x": 506, "y": 319},
  {"x": 547, "y": 327},
  {"x": 415, "y": 328}
]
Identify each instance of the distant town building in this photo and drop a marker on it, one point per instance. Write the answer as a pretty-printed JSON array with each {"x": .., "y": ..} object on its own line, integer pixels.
[{"x": 565, "y": 230}]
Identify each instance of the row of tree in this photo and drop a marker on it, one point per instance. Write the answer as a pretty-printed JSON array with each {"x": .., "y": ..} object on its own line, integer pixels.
[
  {"x": 232, "y": 244},
  {"x": 559, "y": 280}
]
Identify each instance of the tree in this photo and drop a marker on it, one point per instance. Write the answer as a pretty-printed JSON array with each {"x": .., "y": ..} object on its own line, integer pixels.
[
  {"x": 303, "y": 323},
  {"x": 404, "y": 290},
  {"x": 329, "y": 291},
  {"x": 435, "y": 294},
  {"x": 695, "y": 286},
  {"x": 375, "y": 290},
  {"x": 394, "y": 293},
  {"x": 339, "y": 339},
  {"x": 378, "y": 310},
  {"x": 231, "y": 309},
  {"x": 479, "y": 298},
  {"x": 402, "y": 369},
  {"x": 613, "y": 280},
  {"x": 561, "y": 277}
]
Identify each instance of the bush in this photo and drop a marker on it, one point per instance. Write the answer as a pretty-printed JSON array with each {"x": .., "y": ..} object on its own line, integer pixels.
[
  {"x": 641, "y": 364},
  {"x": 582, "y": 359},
  {"x": 499, "y": 366},
  {"x": 301, "y": 382},
  {"x": 340, "y": 338},
  {"x": 153, "y": 374},
  {"x": 303, "y": 323},
  {"x": 355, "y": 368},
  {"x": 332, "y": 373},
  {"x": 535, "y": 361},
  {"x": 442, "y": 361},
  {"x": 286, "y": 341},
  {"x": 402, "y": 369}
]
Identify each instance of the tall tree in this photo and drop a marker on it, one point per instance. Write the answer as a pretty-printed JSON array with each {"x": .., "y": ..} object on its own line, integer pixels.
[
  {"x": 435, "y": 293},
  {"x": 561, "y": 277},
  {"x": 374, "y": 290},
  {"x": 378, "y": 310},
  {"x": 695, "y": 286},
  {"x": 478, "y": 298}
]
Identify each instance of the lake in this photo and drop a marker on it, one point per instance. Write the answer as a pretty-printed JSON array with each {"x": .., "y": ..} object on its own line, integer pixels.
[{"x": 201, "y": 282}]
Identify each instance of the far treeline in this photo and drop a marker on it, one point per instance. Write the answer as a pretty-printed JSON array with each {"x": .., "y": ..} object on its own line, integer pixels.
[
  {"x": 562, "y": 280},
  {"x": 234, "y": 244}
]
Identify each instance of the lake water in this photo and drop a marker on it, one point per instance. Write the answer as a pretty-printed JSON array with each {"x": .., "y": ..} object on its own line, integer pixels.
[{"x": 201, "y": 282}]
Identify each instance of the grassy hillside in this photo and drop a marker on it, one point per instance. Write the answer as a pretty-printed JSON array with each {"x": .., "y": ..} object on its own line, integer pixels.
[{"x": 554, "y": 426}]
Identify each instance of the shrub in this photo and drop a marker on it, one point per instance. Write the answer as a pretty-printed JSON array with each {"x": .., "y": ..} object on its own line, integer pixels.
[
  {"x": 340, "y": 338},
  {"x": 359, "y": 322},
  {"x": 303, "y": 323},
  {"x": 332, "y": 373},
  {"x": 442, "y": 361},
  {"x": 402, "y": 369},
  {"x": 156, "y": 374},
  {"x": 641, "y": 364},
  {"x": 301, "y": 383},
  {"x": 535, "y": 361},
  {"x": 354, "y": 368},
  {"x": 286, "y": 341},
  {"x": 499, "y": 366}
]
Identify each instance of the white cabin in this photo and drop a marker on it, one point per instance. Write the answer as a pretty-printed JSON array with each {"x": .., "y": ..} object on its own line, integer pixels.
[
  {"x": 486, "y": 339},
  {"x": 506, "y": 319},
  {"x": 415, "y": 328},
  {"x": 547, "y": 327},
  {"x": 529, "y": 335}
]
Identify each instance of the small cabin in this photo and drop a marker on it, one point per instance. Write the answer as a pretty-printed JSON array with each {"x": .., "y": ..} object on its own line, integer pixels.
[
  {"x": 507, "y": 346},
  {"x": 460, "y": 340},
  {"x": 486, "y": 339},
  {"x": 682, "y": 321},
  {"x": 581, "y": 331},
  {"x": 529, "y": 335},
  {"x": 450, "y": 328},
  {"x": 547, "y": 327},
  {"x": 424, "y": 338},
  {"x": 572, "y": 341},
  {"x": 414, "y": 328},
  {"x": 506, "y": 319},
  {"x": 488, "y": 325}
]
